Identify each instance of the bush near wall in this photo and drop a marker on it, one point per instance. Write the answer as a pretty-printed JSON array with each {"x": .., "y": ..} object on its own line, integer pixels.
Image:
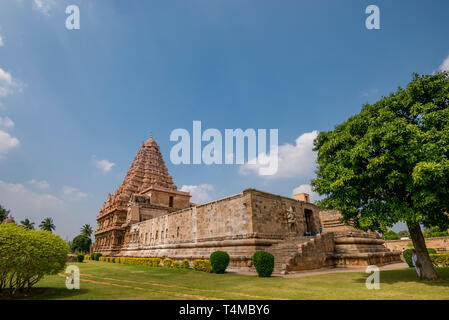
[
  {"x": 167, "y": 263},
  {"x": 97, "y": 255},
  {"x": 407, "y": 254},
  {"x": 440, "y": 260},
  {"x": 202, "y": 265},
  {"x": 263, "y": 261},
  {"x": 185, "y": 264},
  {"x": 219, "y": 261},
  {"x": 150, "y": 262}
]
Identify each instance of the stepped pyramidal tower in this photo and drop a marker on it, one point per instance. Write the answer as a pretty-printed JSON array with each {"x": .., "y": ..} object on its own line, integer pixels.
[
  {"x": 146, "y": 183},
  {"x": 147, "y": 216}
]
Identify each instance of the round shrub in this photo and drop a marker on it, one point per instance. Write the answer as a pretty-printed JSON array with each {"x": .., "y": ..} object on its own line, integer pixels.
[
  {"x": 263, "y": 261},
  {"x": 97, "y": 255},
  {"x": 27, "y": 255},
  {"x": 80, "y": 257},
  {"x": 219, "y": 261},
  {"x": 407, "y": 255}
]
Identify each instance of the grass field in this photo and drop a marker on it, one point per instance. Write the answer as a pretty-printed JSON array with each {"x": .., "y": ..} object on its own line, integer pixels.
[{"x": 102, "y": 280}]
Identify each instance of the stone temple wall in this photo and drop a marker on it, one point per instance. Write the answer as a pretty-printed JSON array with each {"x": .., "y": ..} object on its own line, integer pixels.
[
  {"x": 440, "y": 244},
  {"x": 239, "y": 224}
]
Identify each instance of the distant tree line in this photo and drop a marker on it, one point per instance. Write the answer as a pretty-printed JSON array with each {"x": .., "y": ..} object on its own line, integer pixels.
[
  {"x": 431, "y": 232},
  {"x": 80, "y": 243}
]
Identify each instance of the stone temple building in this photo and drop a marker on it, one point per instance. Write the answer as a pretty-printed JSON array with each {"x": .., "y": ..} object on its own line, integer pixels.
[{"x": 147, "y": 216}]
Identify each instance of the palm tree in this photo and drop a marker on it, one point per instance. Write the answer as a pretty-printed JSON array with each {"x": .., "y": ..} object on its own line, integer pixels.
[
  {"x": 86, "y": 230},
  {"x": 27, "y": 224},
  {"x": 47, "y": 224}
]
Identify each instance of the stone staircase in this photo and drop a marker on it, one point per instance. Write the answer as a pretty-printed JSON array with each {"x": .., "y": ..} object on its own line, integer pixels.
[
  {"x": 301, "y": 253},
  {"x": 284, "y": 252}
]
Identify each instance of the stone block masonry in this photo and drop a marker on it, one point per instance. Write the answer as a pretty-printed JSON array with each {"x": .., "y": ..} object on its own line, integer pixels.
[{"x": 147, "y": 216}]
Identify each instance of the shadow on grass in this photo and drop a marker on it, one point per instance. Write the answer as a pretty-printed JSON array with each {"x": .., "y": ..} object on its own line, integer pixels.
[
  {"x": 44, "y": 293},
  {"x": 409, "y": 275}
]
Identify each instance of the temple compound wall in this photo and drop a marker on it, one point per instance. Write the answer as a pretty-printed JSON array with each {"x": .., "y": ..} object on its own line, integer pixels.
[
  {"x": 239, "y": 224},
  {"x": 147, "y": 216},
  {"x": 440, "y": 244}
]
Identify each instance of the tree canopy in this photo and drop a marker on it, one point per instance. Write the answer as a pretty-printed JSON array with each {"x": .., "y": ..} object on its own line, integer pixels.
[
  {"x": 3, "y": 213},
  {"x": 389, "y": 163},
  {"x": 81, "y": 243}
]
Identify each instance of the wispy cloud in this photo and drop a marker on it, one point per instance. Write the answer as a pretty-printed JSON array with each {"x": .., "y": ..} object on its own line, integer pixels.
[
  {"x": 44, "y": 6},
  {"x": 39, "y": 184},
  {"x": 199, "y": 193},
  {"x": 1, "y": 41},
  {"x": 7, "y": 143},
  {"x": 6, "y": 123},
  {"x": 104, "y": 165},
  {"x": 445, "y": 65},
  {"x": 72, "y": 194},
  {"x": 296, "y": 160},
  {"x": 8, "y": 85}
]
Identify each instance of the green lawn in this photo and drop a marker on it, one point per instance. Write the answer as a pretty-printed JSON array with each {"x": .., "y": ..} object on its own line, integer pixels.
[{"x": 102, "y": 280}]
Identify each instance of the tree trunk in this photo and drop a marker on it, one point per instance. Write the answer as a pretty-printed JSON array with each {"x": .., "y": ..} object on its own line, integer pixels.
[{"x": 427, "y": 271}]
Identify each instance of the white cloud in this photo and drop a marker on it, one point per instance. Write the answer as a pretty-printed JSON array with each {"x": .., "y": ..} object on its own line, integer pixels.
[
  {"x": 1, "y": 41},
  {"x": 7, "y": 142},
  {"x": 44, "y": 6},
  {"x": 6, "y": 123},
  {"x": 8, "y": 85},
  {"x": 104, "y": 165},
  {"x": 39, "y": 184},
  {"x": 199, "y": 193},
  {"x": 294, "y": 160},
  {"x": 307, "y": 188},
  {"x": 445, "y": 65},
  {"x": 72, "y": 194}
]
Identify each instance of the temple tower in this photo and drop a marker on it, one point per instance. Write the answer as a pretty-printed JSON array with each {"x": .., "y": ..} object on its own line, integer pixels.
[{"x": 146, "y": 191}]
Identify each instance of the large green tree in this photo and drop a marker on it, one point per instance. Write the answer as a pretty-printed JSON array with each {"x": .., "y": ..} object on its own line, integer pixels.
[
  {"x": 389, "y": 163},
  {"x": 81, "y": 243},
  {"x": 47, "y": 225}
]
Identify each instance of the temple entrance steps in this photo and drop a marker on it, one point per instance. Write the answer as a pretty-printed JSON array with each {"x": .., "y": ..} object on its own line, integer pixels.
[
  {"x": 286, "y": 250},
  {"x": 300, "y": 253}
]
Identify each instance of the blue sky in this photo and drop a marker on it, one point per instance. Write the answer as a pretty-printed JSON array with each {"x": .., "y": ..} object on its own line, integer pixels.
[{"x": 77, "y": 103}]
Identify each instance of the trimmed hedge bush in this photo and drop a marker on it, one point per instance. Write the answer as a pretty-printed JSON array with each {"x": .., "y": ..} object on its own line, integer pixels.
[
  {"x": 219, "y": 261},
  {"x": 167, "y": 263},
  {"x": 407, "y": 254},
  {"x": 440, "y": 260},
  {"x": 27, "y": 255},
  {"x": 80, "y": 257},
  {"x": 202, "y": 265},
  {"x": 185, "y": 264},
  {"x": 151, "y": 262},
  {"x": 263, "y": 261}
]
